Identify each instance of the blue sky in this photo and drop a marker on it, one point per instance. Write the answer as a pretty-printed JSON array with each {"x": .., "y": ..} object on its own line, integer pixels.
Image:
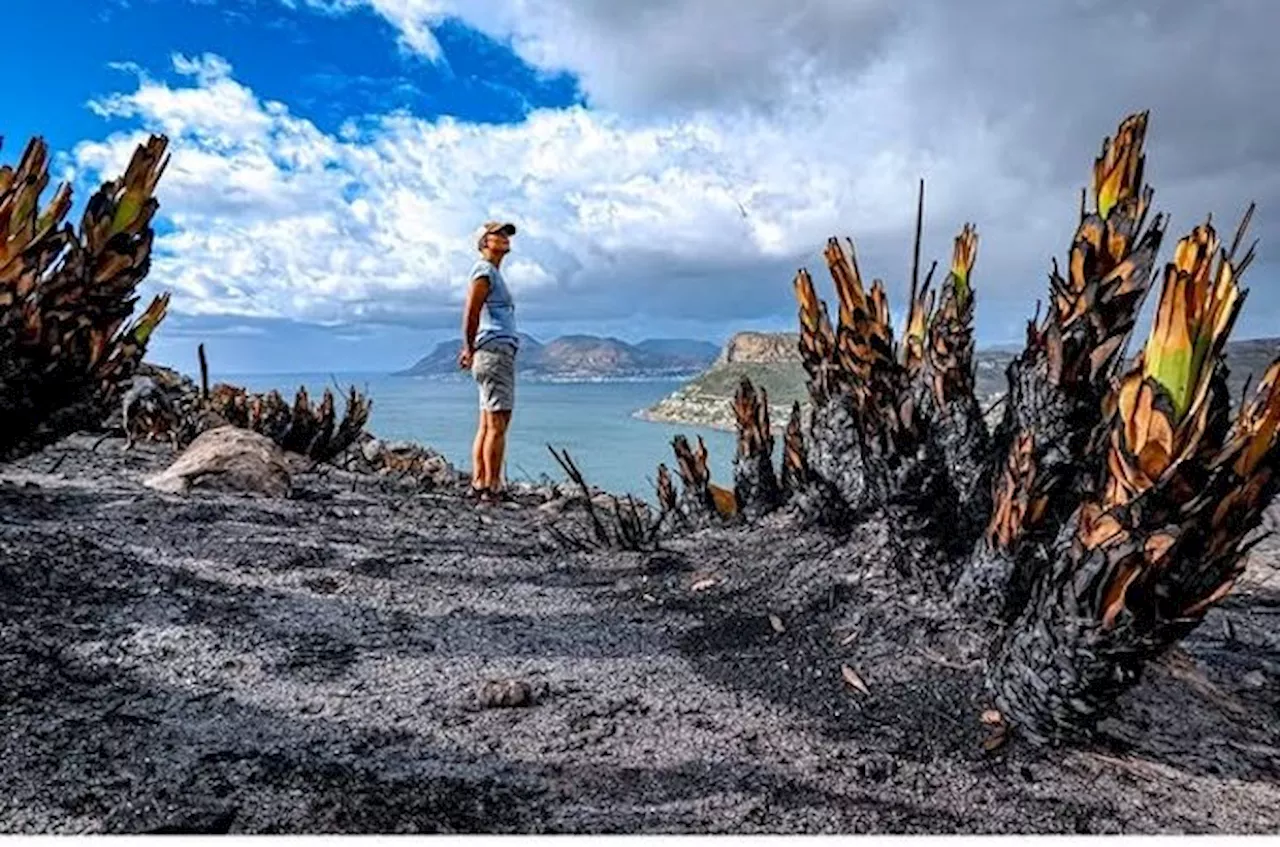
[
  {"x": 327, "y": 68},
  {"x": 670, "y": 165}
]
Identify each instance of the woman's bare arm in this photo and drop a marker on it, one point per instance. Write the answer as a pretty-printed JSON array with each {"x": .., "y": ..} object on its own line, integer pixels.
[{"x": 476, "y": 296}]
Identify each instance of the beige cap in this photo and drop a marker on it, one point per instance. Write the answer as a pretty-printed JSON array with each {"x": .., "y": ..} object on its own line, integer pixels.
[{"x": 490, "y": 227}]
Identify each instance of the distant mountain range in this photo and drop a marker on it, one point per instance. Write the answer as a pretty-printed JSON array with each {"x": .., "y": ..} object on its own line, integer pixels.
[{"x": 585, "y": 358}]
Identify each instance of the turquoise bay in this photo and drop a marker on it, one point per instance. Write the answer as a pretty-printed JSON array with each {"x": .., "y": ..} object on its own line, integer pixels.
[{"x": 592, "y": 420}]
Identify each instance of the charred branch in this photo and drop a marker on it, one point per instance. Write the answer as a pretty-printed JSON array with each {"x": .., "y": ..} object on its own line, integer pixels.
[
  {"x": 623, "y": 527},
  {"x": 1058, "y": 384},
  {"x": 755, "y": 484}
]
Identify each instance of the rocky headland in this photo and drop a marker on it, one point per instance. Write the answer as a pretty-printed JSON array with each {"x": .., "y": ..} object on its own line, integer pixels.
[{"x": 772, "y": 360}]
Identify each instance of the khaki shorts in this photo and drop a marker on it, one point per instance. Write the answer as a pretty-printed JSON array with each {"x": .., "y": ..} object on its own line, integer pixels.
[{"x": 495, "y": 373}]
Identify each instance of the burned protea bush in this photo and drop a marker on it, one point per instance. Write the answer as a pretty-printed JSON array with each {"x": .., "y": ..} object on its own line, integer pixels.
[
  {"x": 943, "y": 380},
  {"x": 1058, "y": 383},
  {"x": 1121, "y": 500},
  {"x": 894, "y": 427},
  {"x": 755, "y": 483},
  {"x": 66, "y": 343},
  {"x": 1161, "y": 535},
  {"x": 1112, "y": 505},
  {"x": 308, "y": 429},
  {"x": 699, "y": 503}
]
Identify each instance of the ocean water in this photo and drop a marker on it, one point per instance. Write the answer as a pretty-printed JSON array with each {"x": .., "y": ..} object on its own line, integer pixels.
[{"x": 592, "y": 420}]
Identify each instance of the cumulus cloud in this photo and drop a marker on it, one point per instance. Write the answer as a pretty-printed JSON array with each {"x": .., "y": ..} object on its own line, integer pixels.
[
  {"x": 724, "y": 143},
  {"x": 632, "y": 55},
  {"x": 272, "y": 217},
  {"x": 1041, "y": 81}
]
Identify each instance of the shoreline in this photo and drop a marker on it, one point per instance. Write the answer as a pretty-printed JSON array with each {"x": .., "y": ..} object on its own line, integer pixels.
[
  {"x": 557, "y": 379},
  {"x": 652, "y": 415},
  {"x": 708, "y": 411}
]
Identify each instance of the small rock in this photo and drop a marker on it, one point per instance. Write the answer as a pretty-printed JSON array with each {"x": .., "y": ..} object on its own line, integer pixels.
[
  {"x": 553, "y": 507},
  {"x": 876, "y": 768},
  {"x": 504, "y": 694},
  {"x": 1254, "y": 679},
  {"x": 371, "y": 449}
]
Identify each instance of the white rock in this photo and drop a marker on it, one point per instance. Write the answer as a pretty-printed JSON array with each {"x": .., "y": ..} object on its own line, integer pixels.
[
  {"x": 370, "y": 449},
  {"x": 230, "y": 459}
]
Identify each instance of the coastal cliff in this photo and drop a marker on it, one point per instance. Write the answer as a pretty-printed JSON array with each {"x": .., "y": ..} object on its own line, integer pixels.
[{"x": 771, "y": 360}]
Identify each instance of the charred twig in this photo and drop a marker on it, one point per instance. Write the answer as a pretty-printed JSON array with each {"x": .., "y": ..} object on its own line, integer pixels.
[
  {"x": 571, "y": 470},
  {"x": 204, "y": 374},
  {"x": 642, "y": 535},
  {"x": 57, "y": 464},
  {"x": 628, "y": 535},
  {"x": 632, "y": 530}
]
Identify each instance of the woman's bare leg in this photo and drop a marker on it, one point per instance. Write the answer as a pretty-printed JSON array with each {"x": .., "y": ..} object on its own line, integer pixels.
[
  {"x": 479, "y": 465},
  {"x": 495, "y": 447}
]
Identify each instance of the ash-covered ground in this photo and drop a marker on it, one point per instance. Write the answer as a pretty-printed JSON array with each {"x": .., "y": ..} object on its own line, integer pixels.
[{"x": 214, "y": 661}]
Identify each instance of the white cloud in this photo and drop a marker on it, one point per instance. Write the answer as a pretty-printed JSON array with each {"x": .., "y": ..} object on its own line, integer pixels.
[
  {"x": 274, "y": 218},
  {"x": 725, "y": 143},
  {"x": 1042, "y": 80},
  {"x": 413, "y": 18},
  {"x": 648, "y": 54}
]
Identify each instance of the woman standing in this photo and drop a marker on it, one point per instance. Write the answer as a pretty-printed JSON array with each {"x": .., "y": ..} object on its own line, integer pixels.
[{"x": 489, "y": 346}]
